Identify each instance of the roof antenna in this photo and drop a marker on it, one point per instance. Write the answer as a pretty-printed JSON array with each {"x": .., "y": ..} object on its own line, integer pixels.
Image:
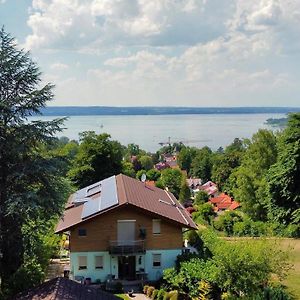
[{"x": 143, "y": 178}]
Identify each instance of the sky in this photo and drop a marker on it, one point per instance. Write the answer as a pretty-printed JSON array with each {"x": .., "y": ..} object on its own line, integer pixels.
[{"x": 162, "y": 52}]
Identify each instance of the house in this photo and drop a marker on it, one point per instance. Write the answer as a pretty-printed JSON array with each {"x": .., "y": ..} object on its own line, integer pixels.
[
  {"x": 194, "y": 184},
  {"x": 210, "y": 188},
  {"x": 122, "y": 228},
  {"x": 161, "y": 166},
  {"x": 224, "y": 202},
  {"x": 61, "y": 288}
]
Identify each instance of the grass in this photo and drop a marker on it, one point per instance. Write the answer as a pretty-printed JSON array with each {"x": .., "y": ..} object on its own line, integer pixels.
[
  {"x": 292, "y": 282},
  {"x": 122, "y": 296}
]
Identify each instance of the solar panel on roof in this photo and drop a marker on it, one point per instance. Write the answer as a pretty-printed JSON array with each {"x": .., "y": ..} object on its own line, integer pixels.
[
  {"x": 107, "y": 198},
  {"x": 90, "y": 207},
  {"x": 93, "y": 189}
]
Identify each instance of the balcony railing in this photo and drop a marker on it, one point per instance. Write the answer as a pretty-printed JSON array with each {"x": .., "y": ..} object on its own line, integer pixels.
[{"x": 126, "y": 247}]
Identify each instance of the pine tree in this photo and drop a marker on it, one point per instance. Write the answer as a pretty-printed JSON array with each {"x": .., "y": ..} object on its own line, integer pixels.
[{"x": 27, "y": 178}]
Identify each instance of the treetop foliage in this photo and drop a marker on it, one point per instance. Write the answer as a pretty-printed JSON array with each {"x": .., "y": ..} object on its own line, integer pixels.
[{"x": 31, "y": 185}]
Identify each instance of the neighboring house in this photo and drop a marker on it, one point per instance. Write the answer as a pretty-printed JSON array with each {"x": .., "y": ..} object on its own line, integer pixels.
[
  {"x": 122, "y": 228},
  {"x": 64, "y": 289},
  {"x": 161, "y": 166},
  {"x": 210, "y": 188},
  {"x": 224, "y": 202},
  {"x": 194, "y": 184}
]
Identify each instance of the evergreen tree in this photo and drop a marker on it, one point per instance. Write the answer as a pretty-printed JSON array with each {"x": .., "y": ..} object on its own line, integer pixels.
[{"x": 28, "y": 179}]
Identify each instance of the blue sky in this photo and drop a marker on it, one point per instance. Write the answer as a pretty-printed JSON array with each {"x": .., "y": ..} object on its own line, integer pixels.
[{"x": 162, "y": 52}]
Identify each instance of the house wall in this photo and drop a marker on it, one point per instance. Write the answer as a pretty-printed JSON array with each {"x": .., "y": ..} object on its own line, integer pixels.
[
  {"x": 100, "y": 230},
  {"x": 110, "y": 266}
]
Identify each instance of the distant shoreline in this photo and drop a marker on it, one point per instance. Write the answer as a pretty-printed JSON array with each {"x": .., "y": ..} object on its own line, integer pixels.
[{"x": 120, "y": 111}]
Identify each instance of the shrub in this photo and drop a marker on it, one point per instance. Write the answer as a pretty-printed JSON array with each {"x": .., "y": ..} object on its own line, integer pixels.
[
  {"x": 166, "y": 296},
  {"x": 173, "y": 295},
  {"x": 28, "y": 275},
  {"x": 276, "y": 293},
  {"x": 227, "y": 220},
  {"x": 160, "y": 295},
  {"x": 292, "y": 231},
  {"x": 145, "y": 288},
  {"x": 154, "y": 294},
  {"x": 150, "y": 291}
]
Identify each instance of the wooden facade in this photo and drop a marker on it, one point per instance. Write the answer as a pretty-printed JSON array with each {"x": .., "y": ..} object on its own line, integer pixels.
[{"x": 103, "y": 229}]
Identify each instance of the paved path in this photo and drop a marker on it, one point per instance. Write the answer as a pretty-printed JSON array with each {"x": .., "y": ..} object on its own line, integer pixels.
[{"x": 139, "y": 296}]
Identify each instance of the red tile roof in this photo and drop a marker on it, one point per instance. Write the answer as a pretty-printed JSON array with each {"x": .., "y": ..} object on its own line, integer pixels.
[
  {"x": 223, "y": 201},
  {"x": 138, "y": 194},
  {"x": 234, "y": 205}
]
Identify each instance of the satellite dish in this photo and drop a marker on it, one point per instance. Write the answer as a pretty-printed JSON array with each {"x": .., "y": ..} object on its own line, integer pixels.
[{"x": 143, "y": 177}]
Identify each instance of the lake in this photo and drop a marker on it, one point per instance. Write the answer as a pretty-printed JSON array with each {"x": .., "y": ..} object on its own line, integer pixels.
[{"x": 213, "y": 130}]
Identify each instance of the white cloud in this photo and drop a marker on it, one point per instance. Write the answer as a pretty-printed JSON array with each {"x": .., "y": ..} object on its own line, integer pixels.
[
  {"x": 59, "y": 66},
  {"x": 167, "y": 51}
]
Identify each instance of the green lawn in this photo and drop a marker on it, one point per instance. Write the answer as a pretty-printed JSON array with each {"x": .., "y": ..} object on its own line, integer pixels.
[{"x": 293, "y": 280}]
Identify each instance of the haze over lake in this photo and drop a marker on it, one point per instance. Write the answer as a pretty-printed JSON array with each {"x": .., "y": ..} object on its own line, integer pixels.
[{"x": 213, "y": 130}]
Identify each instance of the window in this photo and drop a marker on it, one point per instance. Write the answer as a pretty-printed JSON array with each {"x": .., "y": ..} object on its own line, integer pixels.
[
  {"x": 156, "y": 260},
  {"x": 81, "y": 232},
  {"x": 98, "y": 262},
  {"x": 82, "y": 262},
  {"x": 156, "y": 226}
]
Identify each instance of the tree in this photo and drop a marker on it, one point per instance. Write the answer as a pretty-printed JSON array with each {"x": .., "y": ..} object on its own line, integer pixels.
[
  {"x": 153, "y": 174},
  {"x": 224, "y": 163},
  {"x": 185, "y": 158},
  {"x": 227, "y": 220},
  {"x": 171, "y": 179},
  {"x": 284, "y": 176},
  {"x": 204, "y": 212},
  {"x": 30, "y": 182},
  {"x": 201, "y": 198},
  {"x": 185, "y": 192},
  {"x": 133, "y": 149},
  {"x": 202, "y": 164},
  {"x": 98, "y": 157},
  {"x": 249, "y": 178},
  {"x": 127, "y": 169},
  {"x": 146, "y": 162},
  {"x": 140, "y": 173}
]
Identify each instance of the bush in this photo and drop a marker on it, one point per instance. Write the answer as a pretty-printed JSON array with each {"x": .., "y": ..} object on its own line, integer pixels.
[
  {"x": 292, "y": 231},
  {"x": 150, "y": 291},
  {"x": 173, "y": 295},
  {"x": 160, "y": 295},
  {"x": 226, "y": 221},
  {"x": 28, "y": 275},
  {"x": 145, "y": 288},
  {"x": 154, "y": 294},
  {"x": 276, "y": 293}
]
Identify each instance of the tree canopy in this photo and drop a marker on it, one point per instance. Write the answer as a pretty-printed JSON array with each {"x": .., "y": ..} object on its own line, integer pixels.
[
  {"x": 283, "y": 178},
  {"x": 98, "y": 157},
  {"x": 31, "y": 183}
]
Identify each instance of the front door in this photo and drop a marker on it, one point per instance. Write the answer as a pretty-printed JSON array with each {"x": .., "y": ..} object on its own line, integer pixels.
[{"x": 127, "y": 267}]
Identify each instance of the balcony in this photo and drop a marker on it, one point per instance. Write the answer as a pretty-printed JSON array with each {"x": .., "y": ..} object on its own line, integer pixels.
[{"x": 126, "y": 247}]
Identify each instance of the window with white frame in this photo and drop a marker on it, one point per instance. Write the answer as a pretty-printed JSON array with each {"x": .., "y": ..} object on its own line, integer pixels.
[
  {"x": 156, "y": 260},
  {"x": 156, "y": 226},
  {"x": 82, "y": 262},
  {"x": 99, "y": 262}
]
